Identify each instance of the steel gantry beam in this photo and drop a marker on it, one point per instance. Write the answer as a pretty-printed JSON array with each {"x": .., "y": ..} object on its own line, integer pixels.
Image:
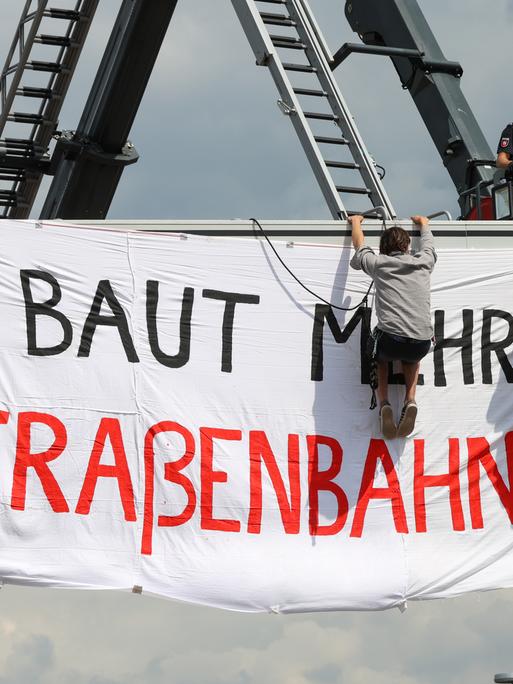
[{"x": 88, "y": 163}]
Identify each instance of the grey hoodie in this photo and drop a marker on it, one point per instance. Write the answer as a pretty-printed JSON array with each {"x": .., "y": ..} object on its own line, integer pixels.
[{"x": 402, "y": 282}]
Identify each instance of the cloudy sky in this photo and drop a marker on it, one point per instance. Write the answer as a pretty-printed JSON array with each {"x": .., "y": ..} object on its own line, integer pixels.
[{"x": 214, "y": 145}]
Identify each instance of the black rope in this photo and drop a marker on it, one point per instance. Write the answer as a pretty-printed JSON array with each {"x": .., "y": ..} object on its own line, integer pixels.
[
  {"x": 382, "y": 172},
  {"x": 372, "y": 357},
  {"x": 317, "y": 296}
]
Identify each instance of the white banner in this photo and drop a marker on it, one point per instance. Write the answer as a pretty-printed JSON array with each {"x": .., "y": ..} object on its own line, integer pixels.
[{"x": 178, "y": 415}]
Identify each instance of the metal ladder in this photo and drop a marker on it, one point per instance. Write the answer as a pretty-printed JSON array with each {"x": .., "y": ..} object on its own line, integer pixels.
[
  {"x": 47, "y": 45},
  {"x": 301, "y": 35}
]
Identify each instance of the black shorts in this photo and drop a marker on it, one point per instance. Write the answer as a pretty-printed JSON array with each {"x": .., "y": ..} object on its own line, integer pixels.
[{"x": 399, "y": 348}]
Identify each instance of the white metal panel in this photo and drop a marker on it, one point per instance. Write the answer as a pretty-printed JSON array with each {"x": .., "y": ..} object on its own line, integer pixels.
[{"x": 453, "y": 234}]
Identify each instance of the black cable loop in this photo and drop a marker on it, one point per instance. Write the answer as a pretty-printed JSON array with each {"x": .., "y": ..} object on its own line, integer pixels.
[
  {"x": 383, "y": 171},
  {"x": 314, "y": 294}
]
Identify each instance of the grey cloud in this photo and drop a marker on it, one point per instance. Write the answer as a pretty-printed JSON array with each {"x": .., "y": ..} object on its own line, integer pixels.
[
  {"x": 29, "y": 660},
  {"x": 116, "y": 639},
  {"x": 324, "y": 673}
]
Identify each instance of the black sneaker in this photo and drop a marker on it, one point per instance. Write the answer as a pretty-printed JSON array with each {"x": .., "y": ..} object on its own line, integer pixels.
[
  {"x": 407, "y": 421},
  {"x": 386, "y": 421}
]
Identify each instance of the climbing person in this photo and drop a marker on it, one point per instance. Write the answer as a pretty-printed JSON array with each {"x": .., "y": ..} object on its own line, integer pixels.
[
  {"x": 403, "y": 308},
  {"x": 505, "y": 151}
]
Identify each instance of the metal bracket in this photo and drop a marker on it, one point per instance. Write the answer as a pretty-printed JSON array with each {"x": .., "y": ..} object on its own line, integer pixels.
[
  {"x": 381, "y": 212},
  {"x": 287, "y": 109},
  {"x": 71, "y": 147},
  {"x": 443, "y": 212},
  {"x": 264, "y": 59},
  {"x": 428, "y": 66}
]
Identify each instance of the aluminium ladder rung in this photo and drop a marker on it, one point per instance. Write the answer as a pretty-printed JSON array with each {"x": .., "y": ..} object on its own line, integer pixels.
[
  {"x": 57, "y": 13},
  {"x": 321, "y": 115},
  {"x": 38, "y": 65},
  {"x": 59, "y": 41},
  {"x": 9, "y": 170},
  {"x": 10, "y": 177},
  {"x": 272, "y": 15},
  {"x": 289, "y": 45},
  {"x": 368, "y": 213},
  {"x": 331, "y": 141},
  {"x": 290, "y": 41},
  {"x": 306, "y": 68},
  {"x": 31, "y": 91},
  {"x": 284, "y": 39},
  {"x": 352, "y": 190},
  {"x": 311, "y": 92},
  {"x": 342, "y": 165},
  {"x": 26, "y": 117},
  {"x": 8, "y": 198},
  {"x": 274, "y": 2},
  {"x": 277, "y": 19},
  {"x": 16, "y": 152},
  {"x": 18, "y": 143}
]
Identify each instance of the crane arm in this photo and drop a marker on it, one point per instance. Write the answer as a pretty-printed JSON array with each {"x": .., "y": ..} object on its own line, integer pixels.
[{"x": 433, "y": 83}]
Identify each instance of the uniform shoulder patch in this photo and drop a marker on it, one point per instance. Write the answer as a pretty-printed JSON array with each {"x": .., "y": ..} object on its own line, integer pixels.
[{"x": 504, "y": 142}]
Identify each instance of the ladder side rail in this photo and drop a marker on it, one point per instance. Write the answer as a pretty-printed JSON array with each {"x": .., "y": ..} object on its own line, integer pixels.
[
  {"x": 266, "y": 55},
  {"x": 306, "y": 10},
  {"x": 379, "y": 197},
  {"x": 59, "y": 82},
  {"x": 10, "y": 94},
  {"x": 253, "y": 26},
  {"x": 17, "y": 41},
  {"x": 307, "y": 140},
  {"x": 45, "y": 107}
]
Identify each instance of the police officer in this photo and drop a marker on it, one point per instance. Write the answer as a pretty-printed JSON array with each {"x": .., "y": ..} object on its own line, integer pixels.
[{"x": 505, "y": 151}]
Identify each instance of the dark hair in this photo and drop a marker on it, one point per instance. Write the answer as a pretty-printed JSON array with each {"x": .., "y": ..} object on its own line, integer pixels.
[{"x": 394, "y": 239}]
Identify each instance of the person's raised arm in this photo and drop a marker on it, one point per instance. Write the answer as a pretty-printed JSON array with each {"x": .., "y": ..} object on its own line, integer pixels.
[
  {"x": 363, "y": 259},
  {"x": 427, "y": 242},
  {"x": 356, "y": 230},
  {"x": 503, "y": 160},
  {"x": 426, "y": 236},
  {"x": 422, "y": 222}
]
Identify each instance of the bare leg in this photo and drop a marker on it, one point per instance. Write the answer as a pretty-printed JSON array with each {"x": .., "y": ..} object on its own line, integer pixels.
[
  {"x": 409, "y": 412},
  {"x": 411, "y": 375},
  {"x": 382, "y": 381},
  {"x": 386, "y": 416}
]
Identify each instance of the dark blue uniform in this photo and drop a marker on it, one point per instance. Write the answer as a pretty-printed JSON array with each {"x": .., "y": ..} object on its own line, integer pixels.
[{"x": 506, "y": 141}]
